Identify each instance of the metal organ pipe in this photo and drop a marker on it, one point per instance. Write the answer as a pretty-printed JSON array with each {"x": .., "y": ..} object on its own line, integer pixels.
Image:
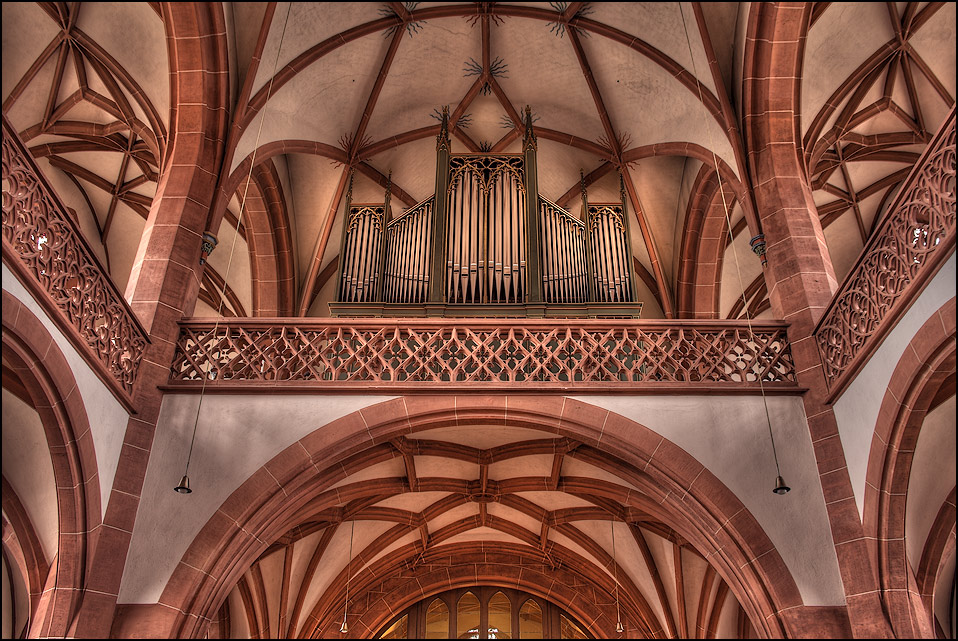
[
  {"x": 407, "y": 254},
  {"x": 563, "y": 254},
  {"x": 611, "y": 257},
  {"x": 485, "y": 262},
  {"x": 362, "y": 254}
]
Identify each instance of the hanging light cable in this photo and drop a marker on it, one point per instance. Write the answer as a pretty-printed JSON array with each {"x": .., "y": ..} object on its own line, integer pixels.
[
  {"x": 615, "y": 576},
  {"x": 780, "y": 487},
  {"x": 184, "y": 484},
  {"x": 345, "y": 628}
]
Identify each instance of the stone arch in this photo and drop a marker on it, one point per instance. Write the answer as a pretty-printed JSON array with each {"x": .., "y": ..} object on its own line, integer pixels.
[
  {"x": 47, "y": 377},
  {"x": 926, "y": 364},
  {"x": 590, "y": 600},
  {"x": 23, "y": 552},
  {"x": 774, "y": 55},
  {"x": 938, "y": 552},
  {"x": 270, "y": 244},
  {"x": 705, "y": 511},
  {"x": 704, "y": 239}
]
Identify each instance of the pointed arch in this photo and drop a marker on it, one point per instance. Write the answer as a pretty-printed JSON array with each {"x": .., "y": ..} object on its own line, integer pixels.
[
  {"x": 700, "y": 507},
  {"x": 927, "y": 363},
  {"x": 34, "y": 357}
]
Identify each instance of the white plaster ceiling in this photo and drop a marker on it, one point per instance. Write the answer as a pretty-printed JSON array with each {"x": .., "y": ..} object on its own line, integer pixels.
[
  {"x": 891, "y": 78},
  {"x": 87, "y": 85},
  {"x": 537, "y": 56}
]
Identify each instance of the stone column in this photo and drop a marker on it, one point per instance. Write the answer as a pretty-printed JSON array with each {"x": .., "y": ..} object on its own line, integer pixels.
[
  {"x": 165, "y": 280},
  {"x": 800, "y": 277}
]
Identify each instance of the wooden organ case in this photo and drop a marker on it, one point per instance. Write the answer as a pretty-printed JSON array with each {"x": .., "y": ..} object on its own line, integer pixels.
[{"x": 487, "y": 244}]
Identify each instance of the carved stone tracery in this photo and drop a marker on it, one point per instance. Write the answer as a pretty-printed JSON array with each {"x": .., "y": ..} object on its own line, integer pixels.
[
  {"x": 474, "y": 352},
  {"x": 41, "y": 237},
  {"x": 915, "y": 236}
]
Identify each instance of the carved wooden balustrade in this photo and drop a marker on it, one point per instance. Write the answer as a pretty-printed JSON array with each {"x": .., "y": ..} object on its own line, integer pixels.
[
  {"x": 482, "y": 354},
  {"x": 915, "y": 238},
  {"x": 44, "y": 246}
]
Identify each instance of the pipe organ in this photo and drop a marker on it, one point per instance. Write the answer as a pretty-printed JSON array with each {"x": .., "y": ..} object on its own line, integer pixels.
[
  {"x": 564, "y": 273},
  {"x": 362, "y": 254},
  {"x": 611, "y": 259},
  {"x": 406, "y": 269},
  {"x": 485, "y": 256},
  {"x": 469, "y": 250}
]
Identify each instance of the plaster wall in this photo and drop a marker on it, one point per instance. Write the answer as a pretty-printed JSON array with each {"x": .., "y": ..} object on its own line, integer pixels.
[
  {"x": 729, "y": 435},
  {"x": 29, "y": 470},
  {"x": 107, "y": 417},
  {"x": 247, "y": 432},
  {"x": 856, "y": 410},
  {"x": 932, "y": 477}
]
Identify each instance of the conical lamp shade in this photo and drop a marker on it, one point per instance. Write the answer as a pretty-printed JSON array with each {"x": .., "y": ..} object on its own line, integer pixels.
[
  {"x": 184, "y": 486},
  {"x": 780, "y": 487}
]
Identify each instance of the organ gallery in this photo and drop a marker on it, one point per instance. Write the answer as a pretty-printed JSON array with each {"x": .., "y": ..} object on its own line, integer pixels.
[{"x": 487, "y": 320}]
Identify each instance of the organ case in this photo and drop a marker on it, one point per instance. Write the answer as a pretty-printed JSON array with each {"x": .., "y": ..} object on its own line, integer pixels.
[{"x": 478, "y": 246}]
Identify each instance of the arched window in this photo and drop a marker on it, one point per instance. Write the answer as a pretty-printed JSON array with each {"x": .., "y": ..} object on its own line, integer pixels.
[
  {"x": 500, "y": 617},
  {"x": 569, "y": 630},
  {"x": 467, "y": 617},
  {"x": 437, "y": 620},
  {"x": 530, "y": 620},
  {"x": 483, "y": 612},
  {"x": 398, "y": 630}
]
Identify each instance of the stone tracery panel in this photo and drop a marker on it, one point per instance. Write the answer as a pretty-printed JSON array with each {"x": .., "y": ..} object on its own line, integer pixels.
[
  {"x": 554, "y": 353},
  {"x": 42, "y": 241},
  {"x": 914, "y": 238}
]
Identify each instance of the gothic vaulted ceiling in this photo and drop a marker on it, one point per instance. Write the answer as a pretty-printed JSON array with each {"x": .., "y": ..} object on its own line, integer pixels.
[
  {"x": 495, "y": 497},
  {"x": 322, "y": 88},
  {"x": 321, "y": 91}
]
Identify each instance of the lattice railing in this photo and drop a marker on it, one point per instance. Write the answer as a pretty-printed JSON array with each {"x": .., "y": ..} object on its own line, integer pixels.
[
  {"x": 913, "y": 240},
  {"x": 413, "y": 353},
  {"x": 44, "y": 245}
]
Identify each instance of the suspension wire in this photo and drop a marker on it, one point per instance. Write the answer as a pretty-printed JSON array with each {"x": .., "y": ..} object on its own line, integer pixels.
[
  {"x": 731, "y": 237},
  {"x": 615, "y": 575},
  {"x": 349, "y": 560},
  {"x": 239, "y": 224}
]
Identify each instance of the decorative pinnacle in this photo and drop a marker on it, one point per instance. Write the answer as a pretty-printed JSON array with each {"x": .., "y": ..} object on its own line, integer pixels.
[
  {"x": 529, "y": 137},
  {"x": 442, "y": 140},
  {"x": 386, "y": 197}
]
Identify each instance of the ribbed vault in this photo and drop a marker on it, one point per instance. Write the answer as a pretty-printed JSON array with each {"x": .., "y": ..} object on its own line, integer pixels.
[
  {"x": 522, "y": 511},
  {"x": 324, "y": 89},
  {"x": 416, "y": 481}
]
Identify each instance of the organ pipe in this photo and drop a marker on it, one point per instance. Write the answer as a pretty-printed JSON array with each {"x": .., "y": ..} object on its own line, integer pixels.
[
  {"x": 474, "y": 242},
  {"x": 408, "y": 240},
  {"x": 485, "y": 248}
]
